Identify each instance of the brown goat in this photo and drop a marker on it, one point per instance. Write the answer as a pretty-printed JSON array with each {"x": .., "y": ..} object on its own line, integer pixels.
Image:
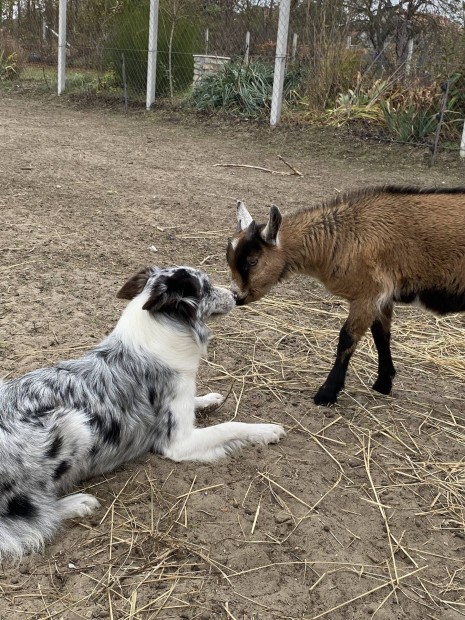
[{"x": 372, "y": 247}]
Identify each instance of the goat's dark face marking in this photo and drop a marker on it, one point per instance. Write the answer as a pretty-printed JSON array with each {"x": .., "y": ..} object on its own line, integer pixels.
[{"x": 252, "y": 255}]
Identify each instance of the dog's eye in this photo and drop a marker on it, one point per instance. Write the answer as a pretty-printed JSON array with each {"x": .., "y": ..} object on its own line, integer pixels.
[{"x": 252, "y": 261}]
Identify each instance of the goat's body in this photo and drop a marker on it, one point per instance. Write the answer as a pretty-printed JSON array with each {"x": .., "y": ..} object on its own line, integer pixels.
[
  {"x": 373, "y": 248},
  {"x": 362, "y": 246}
]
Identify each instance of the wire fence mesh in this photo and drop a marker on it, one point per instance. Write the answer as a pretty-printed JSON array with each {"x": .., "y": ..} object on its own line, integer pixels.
[
  {"x": 341, "y": 58},
  {"x": 107, "y": 43}
]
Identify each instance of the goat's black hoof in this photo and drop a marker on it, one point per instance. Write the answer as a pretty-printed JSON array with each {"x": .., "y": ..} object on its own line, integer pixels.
[
  {"x": 383, "y": 386},
  {"x": 325, "y": 397}
]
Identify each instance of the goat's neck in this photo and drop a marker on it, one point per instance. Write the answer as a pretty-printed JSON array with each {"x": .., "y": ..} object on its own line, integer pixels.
[{"x": 307, "y": 242}]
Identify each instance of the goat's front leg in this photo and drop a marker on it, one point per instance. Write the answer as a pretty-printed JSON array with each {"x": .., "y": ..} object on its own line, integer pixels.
[
  {"x": 361, "y": 317},
  {"x": 381, "y": 331}
]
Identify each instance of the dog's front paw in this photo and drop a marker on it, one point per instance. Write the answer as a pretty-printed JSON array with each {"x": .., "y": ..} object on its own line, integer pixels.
[
  {"x": 209, "y": 400},
  {"x": 266, "y": 433},
  {"x": 78, "y": 505}
]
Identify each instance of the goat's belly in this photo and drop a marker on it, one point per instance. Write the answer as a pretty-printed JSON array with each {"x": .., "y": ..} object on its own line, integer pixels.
[{"x": 440, "y": 301}]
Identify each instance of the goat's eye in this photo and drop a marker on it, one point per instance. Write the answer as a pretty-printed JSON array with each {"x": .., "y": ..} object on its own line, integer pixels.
[{"x": 252, "y": 261}]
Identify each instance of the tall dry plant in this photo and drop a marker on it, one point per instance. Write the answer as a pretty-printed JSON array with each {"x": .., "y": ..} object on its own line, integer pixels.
[
  {"x": 12, "y": 57},
  {"x": 332, "y": 64}
]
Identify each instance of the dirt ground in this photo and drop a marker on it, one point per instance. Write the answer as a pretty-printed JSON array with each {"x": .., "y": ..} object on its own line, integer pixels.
[{"x": 359, "y": 511}]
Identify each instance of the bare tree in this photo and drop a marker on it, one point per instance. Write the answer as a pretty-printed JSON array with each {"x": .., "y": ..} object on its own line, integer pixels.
[
  {"x": 385, "y": 21},
  {"x": 175, "y": 10}
]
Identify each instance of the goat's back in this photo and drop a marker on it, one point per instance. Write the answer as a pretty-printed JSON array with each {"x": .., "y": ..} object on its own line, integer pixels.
[{"x": 398, "y": 238}]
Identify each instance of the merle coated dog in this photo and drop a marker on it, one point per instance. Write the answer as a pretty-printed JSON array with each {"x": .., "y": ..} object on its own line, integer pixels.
[{"x": 133, "y": 393}]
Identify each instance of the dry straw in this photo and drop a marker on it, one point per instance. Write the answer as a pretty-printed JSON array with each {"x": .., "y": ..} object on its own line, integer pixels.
[{"x": 145, "y": 563}]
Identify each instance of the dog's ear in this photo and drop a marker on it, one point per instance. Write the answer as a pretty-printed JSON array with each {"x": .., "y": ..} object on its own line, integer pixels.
[
  {"x": 176, "y": 295},
  {"x": 134, "y": 285}
]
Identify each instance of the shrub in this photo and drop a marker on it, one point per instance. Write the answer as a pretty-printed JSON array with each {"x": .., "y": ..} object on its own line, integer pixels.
[
  {"x": 332, "y": 70},
  {"x": 408, "y": 112},
  {"x": 409, "y": 124},
  {"x": 455, "y": 111},
  {"x": 12, "y": 58},
  {"x": 129, "y": 35},
  {"x": 242, "y": 90},
  {"x": 357, "y": 104}
]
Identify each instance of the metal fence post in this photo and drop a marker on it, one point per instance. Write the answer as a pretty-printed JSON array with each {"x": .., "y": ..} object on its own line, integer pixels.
[
  {"x": 247, "y": 48},
  {"x": 62, "y": 46},
  {"x": 294, "y": 47},
  {"x": 462, "y": 142},
  {"x": 280, "y": 62},
  {"x": 152, "y": 53}
]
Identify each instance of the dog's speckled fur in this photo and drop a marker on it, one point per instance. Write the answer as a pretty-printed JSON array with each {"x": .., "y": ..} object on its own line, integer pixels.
[{"x": 133, "y": 393}]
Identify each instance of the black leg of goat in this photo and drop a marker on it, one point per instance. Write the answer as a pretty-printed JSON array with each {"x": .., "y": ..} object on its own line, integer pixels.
[
  {"x": 362, "y": 315},
  {"x": 327, "y": 394},
  {"x": 381, "y": 331}
]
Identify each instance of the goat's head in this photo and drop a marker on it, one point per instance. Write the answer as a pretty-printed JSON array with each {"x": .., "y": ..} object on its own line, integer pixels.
[{"x": 254, "y": 256}]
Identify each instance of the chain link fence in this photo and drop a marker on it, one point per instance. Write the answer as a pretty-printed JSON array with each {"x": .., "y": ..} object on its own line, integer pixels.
[
  {"x": 335, "y": 58},
  {"x": 107, "y": 46},
  {"x": 107, "y": 43}
]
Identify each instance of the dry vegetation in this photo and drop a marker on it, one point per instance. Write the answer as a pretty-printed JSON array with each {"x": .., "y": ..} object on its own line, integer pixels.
[{"x": 401, "y": 456}]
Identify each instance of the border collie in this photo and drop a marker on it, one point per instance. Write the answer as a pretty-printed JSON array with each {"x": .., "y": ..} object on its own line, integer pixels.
[{"x": 133, "y": 393}]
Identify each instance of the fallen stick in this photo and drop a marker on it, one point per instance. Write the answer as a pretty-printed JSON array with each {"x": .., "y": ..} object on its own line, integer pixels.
[
  {"x": 253, "y": 167},
  {"x": 294, "y": 171},
  {"x": 287, "y": 174}
]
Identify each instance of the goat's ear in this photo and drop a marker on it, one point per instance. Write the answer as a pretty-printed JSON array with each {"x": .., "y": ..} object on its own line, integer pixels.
[
  {"x": 176, "y": 295},
  {"x": 134, "y": 285},
  {"x": 244, "y": 219},
  {"x": 270, "y": 232}
]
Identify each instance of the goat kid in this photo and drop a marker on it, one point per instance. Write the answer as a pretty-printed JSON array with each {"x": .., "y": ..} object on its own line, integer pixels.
[
  {"x": 372, "y": 247},
  {"x": 133, "y": 393}
]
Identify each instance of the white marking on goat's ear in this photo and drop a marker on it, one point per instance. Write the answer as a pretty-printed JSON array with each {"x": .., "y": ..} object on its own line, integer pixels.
[
  {"x": 243, "y": 216},
  {"x": 234, "y": 243},
  {"x": 270, "y": 232}
]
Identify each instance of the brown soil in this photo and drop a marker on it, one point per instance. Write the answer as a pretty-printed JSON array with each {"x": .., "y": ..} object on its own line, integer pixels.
[{"x": 333, "y": 520}]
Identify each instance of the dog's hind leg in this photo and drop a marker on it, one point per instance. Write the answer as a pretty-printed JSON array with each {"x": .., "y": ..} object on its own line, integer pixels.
[
  {"x": 213, "y": 442},
  {"x": 77, "y": 505},
  {"x": 34, "y": 518},
  {"x": 28, "y": 520}
]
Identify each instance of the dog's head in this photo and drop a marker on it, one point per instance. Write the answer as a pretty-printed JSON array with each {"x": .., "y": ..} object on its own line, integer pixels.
[{"x": 180, "y": 293}]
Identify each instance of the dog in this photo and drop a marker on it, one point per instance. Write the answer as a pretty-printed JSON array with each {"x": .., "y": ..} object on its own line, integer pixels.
[{"x": 133, "y": 393}]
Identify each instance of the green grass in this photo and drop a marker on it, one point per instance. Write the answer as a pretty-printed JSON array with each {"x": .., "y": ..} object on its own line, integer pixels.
[{"x": 44, "y": 79}]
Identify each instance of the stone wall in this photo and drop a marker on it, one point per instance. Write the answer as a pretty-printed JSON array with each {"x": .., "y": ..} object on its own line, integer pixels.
[{"x": 206, "y": 65}]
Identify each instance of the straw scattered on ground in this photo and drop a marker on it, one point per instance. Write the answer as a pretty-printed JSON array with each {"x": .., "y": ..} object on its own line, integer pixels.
[{"x": 142, "y": 560}]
